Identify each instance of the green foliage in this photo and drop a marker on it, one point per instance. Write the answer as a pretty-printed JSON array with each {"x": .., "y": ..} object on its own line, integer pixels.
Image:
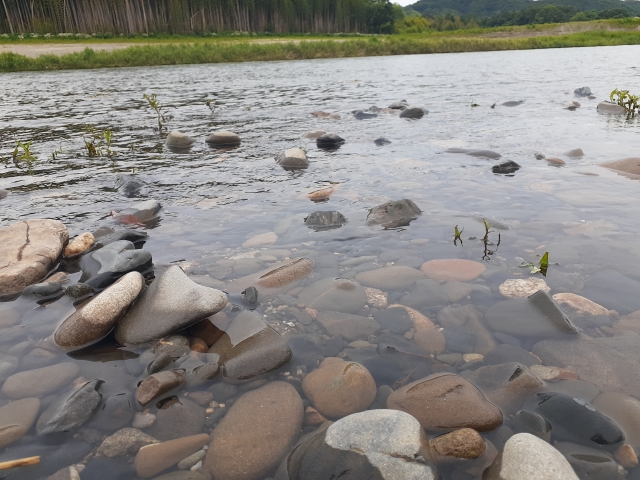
[
  {"x": 26, "y": 154},
  {"x": 412, "y": 24},
  {"x": 55, "y": 153},
  {"x": 628, "y": 101},
  {"x": 98, "y": 143},
  {"x": 153, "y": 102},
  {"x": 541, "y": 267},
  {"x": 457, "y": 236}
]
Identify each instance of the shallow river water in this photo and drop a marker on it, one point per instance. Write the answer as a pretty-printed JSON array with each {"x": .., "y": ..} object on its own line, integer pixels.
[{"x": 214, "y": 200}]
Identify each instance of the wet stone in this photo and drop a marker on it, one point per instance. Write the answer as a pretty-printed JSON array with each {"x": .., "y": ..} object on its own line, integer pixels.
[
  {"x": 107, "y": 236},
  {"x": 116, "y": 412},
  {"x": 506, "y": 168},
  {"x": 396, "y": 320},
  {"x": 326, "y": 220},
  {"x": 177, "y": 417},
  {"x": 582, "y": 92},
  {"x": 444, "y": 402},
  {"x": 16, "y": 419},
  {"x": 30, "y": 248},
  {"x": 250, "y": 348},
  {"x": 590, "y": 463},
  {"x": 104, "y": 468},
  {"x": 351, "y": 327},
  {"x": 126, "y": 441},
  {"x": 382, "y": 141},
  {"x": 530, "y": 422},
  {"x": 43, "y": 290},
  {"x": 171, "y": 303},
  {"x": 38, "y": 382},
  {"x": 156, "y": 458},
  {"x": 335, "y": 294},
  {"x": 413, "y": 112},
  {"x": 70, "y": 411},
  {"x": 452, "y": 270},
  {"x": 338, "y": 388},
  {"x": 390, "y": 278},
  {"x": 505, "y": 353},
  {"x": 329, "y": 141},
  {"x": 624, "y": 410},
  {"x": 156, "y": 385},
  {"x": 475, "y": 152},
  {"x": 121, "y": 257},
  {"x": 162, "y": 361},
  {"x": 179, "y": 140},
  {"x": 465, "y": 443},
  {"x": 394, "y": 214},
  {"x": 608, "y": 108},
  {"x": 223, "y": 138},
  {"x": 577, "y": 420},
  {"x": 138, "y": 213},
  {"x": 293, "y": 158},
  {"x": 79, "y": 245}
]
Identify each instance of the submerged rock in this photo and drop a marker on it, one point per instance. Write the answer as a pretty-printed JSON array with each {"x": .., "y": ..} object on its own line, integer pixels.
[
  {"x": 338, "y": 388},
  {"x": 256, "y": 433},
  {"x": 397, "y": 277},
  {"x": 94, "y": 320},
  {"x": 313, "y": 134},
  {"x": 590, "y": 463},
  {"x": 349, "y": 326},
  {"x": 382, "y": 141},
  {"x": 178, "y": 140},
  {"x": 376, "y": 444},
  {"x": 475, "y": 152},
  {"x": 444, "y": 402},
  {"x": 223, "y": 138},
  {"x": 624, "y": 410},
  {"x": 326, "y": 220},
  {"x": 278, "y": 276},
  {"x": 609, "y": 108},
  {"x": 452, "y": 270},
  {"x": 582, "y": 92},
  {"x": 293, "y": 158},
  {"x": 171, "y": 303},
  {"x": 250, "y": 348},
  {"x": 630, "y": 166},
  {"x": 29, "y": 250},
  {"x": 156, "y": 458},
  {"x": 526, "y": 457},
  {"x": 329, "y": 141},
  {"x": 41, "y": 381},
  {"x": 465, "y": 443},
  {"x": 120, "y": 257},
  {"x": 394, "y": 214},
  {"x": 156, "y": 385},
  {"x": 361, "y": 115},
  {"x": 506, "y": 168},
  {"x": 335, "y": 294},
  {"x": 513, "y": 103},
  {"x": 70, "y": 411},
  {"x": 138, "y": 212},
  {"x": 16, "y": 419},
  {"x": 413, "y": 112},
  {"x": 613, "y": 290},
  {"x": 79, "y": 245},
  {"x": 106, "y": 235},
  {"x": 125, "y": 442},
  {"x": 401, "y": 105},
  {"x": 130, "y": 186},
  {"x": 522, "y": 287}
]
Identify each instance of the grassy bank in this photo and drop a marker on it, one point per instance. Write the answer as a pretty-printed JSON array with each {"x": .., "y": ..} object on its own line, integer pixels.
[{"x": 218, "y": 52}]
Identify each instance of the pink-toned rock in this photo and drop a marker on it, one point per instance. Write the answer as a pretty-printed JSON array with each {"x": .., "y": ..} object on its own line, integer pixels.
[
  {"x": 313, "y": 417},
  {"x": 626, "y": 456},
  {"x": 396, "y": 277},
  {"x": 465, "y": 443},
  {"x": 553, "y": 374},
  {"x": 426, "y": 335},
  {"x": 452, "y": 270},
  {"x": 576, "y": 305},
  {"x": 444, "y": 402},
  {"x": 158, "y": 384},
  {"x": 262, "y": 239},
  {"x": 255, "y": 434},
  {"x": 556, "y": 161},
  {"x": 623, "y": 410},
  {"x": 322, "y": 194},
  {"x": 338, "y": 388},
  {"x": 630, "y": 166},
  {"x": 154, "y": 459},
  {"x": 79, "y": 244},
  {"x": 16, "y": 419},
  {"x": 629, "y": 322},
  {"x": 278, "y": 276},
  {"x": 29, "y": 250}
]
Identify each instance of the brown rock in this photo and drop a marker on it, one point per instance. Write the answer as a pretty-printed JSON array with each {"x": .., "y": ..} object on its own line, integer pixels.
[
  {"x": 255, "y": 434},
  {"x": 58, "y": 277},
  {"x": 464, "y": 443},
  {"x": 349, "y": 326},
  {"x": 29, "y": 250},
  {"x": 506, "y": 385},
  {"x": 469, "y": 318},
  {"x": 95, "y": 319},
  {"x": 623, "y": 410},
  {"x": 79, "y": 245},
  {"x": 126, "y": 441},
  {"x": 426, "y": 335},
  {"x": 158, "y": 384},
  {"x": 153, "y": 459},
  {"x": 630, "y": 166},
  {"x": 281, "y": 275},
  {"x": 338, "y": 388},
  {"x": 556, "y": 161},
  {"x": 322, "y": 194},
  {"x": 626, "y": 456},
  {"x": 445, "y": 401},
  {"x": 211, "y": 329},
  {"x": 629, "y": 323},
  {"x": 313, "y": 417},
  {"x": 553, "y": 374},
  {"x": 198, "y": 345},
  {"x": 16, "y": 419},
  {"x": 38, "y": 382},
  {"x": 452, "y": 270},
  {"x": 396, "y": 277},
  {"x": 575, "y": 305}
]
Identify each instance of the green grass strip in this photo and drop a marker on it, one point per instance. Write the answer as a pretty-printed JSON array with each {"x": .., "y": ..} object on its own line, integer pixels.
[{"x": 218, "y": 52}]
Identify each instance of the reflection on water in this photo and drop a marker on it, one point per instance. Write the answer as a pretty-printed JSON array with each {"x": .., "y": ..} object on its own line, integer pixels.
[{"x": 446, "y": 165}]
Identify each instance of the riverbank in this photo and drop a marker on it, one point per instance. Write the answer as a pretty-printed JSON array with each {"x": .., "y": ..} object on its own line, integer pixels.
[{"x": 42, "y": 54}]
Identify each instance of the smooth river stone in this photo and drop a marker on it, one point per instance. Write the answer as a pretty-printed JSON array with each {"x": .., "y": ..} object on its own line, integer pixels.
[
  {"x": 444, "y": 402},
  {"x": 293, "y": 158},
  {"x": 125, "y": 441},
  {"x": 223, "y": 138},
  {"x": 278, "y": 276},
  {"x": 394, "y": 214},
  {"x": 624, "y": 410},
  {"x": 452, "y": 270},
  {"x": 613, "y": 290},
  {"x": 390, "y": 278},
  {"x": 426, "y": 335},
  {"x": 70, "y": 411},
  {"x": 29, "y": 250},
  {"x": 629, "y": 166},
  {"x": 338, "y": 388},
  {"x": 94, "y": 320},
  {"x": 336, "y": 294},
  {"x": 256, "y": 433},
  {"x": 79, "y": 244},
  {"x": 522, "y": 287},
  {"x": 262, "y": 239},
  {"x": 250, "y": 348},
  {"x": 176, "y": 139},
  {"x": 521, "y": 316},
  {"x": 16, "y": 419},
  {"x": 8, "y": 365},
  {"x": 156, "y": 458},
  {"x": 136, "y": 213},
  {"x": 611, "y": 108},
  {"x": 593, "y": 361},
  {"x": 527, "y": 457},
  {"x": 172, "y": 302},
  {"x": 121, "y": 256},
  {"x": 158, "y": 384},
  {"x": 349, "y": 326},
  {"x": 39, "y": 382},
  {"x": 413, "y": 112},
  {"x": 463, "y": 443},
  {"x": 576, "y": 305},
  {"x": 376, "y": 444},
  {"x": 475, "y": 152}
]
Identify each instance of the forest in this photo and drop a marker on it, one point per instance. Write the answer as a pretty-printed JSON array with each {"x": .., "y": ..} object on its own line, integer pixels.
[{"x": 147, "y": 17}]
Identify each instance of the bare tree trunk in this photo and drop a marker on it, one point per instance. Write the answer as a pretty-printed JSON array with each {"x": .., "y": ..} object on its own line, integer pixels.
[{"x": 6, "y": 11}]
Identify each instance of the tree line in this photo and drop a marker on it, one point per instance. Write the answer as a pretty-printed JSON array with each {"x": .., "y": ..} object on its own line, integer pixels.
[{"x": 130, "y": 17}]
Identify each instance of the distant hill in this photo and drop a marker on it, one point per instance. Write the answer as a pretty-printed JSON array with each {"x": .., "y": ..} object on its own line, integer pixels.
[{"x": 489, "y": 8}]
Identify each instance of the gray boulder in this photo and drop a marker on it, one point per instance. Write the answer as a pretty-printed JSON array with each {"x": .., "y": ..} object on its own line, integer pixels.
[
  {"x": 178, "y": 140},
  {"x": 375, "y": 444},
  {"x": 582, "y": 92},
  {"x": 394, "y": 214},
  {"x": 609, "y": 108},
  {"x": 120, "y": 257},
  {"x": 413, "y": 112},
  {"x": 223, "y": 138},
  {"x": 329, "y": 141},
  {"x": 474, "y": 152},
  {"x": 327, "y": 220},
  {"x": 139, "y": 212},
  {"x": 171, "y": 303},
  {"x": 70, "y": 411},
  {"x": 293, "y": 158}
]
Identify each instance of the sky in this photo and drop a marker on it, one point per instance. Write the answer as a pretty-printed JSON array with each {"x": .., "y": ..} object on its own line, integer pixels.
[{"x": 404, "y": 3}]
